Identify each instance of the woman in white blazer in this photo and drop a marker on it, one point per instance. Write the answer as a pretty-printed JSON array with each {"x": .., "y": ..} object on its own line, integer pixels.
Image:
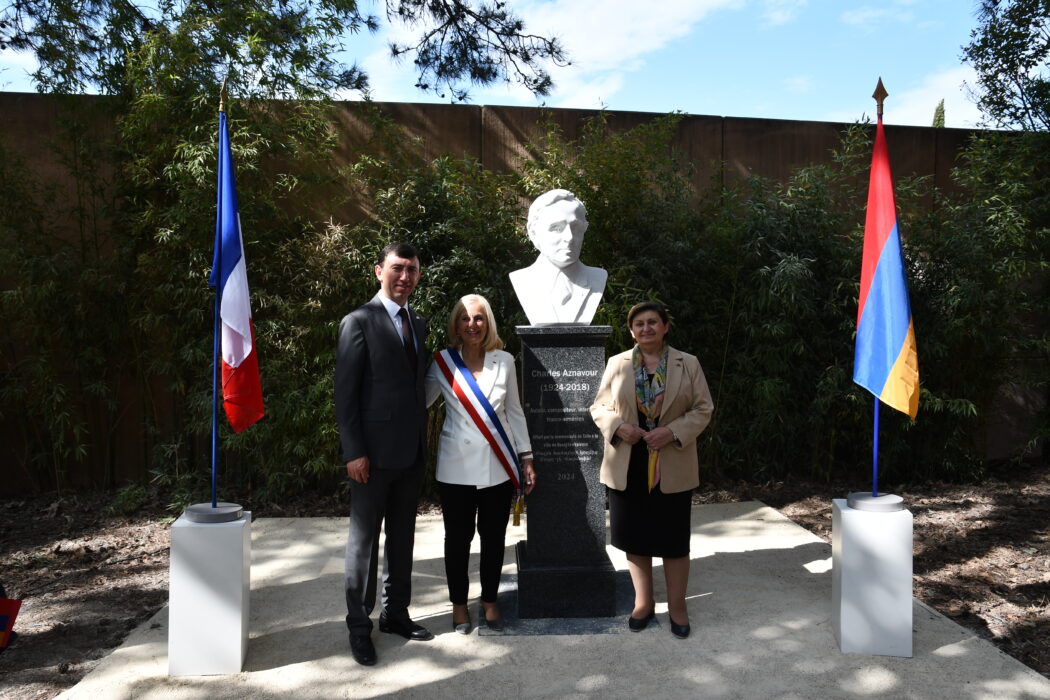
[{"x": 472, "y": 483}]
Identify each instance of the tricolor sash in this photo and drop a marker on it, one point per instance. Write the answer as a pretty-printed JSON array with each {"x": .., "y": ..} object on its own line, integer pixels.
[
  {"x": 480, "y": 411},
  {"x": 484, "y": 416}
]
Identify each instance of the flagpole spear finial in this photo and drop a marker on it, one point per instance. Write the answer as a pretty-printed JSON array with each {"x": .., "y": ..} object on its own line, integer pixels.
[
  {"x": 880, "y": 95},
  {"x": 223, "y": 95}
]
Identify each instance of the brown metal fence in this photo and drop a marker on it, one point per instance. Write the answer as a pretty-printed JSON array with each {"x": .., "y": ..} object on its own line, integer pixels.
[{"x": 723, "y": 150}]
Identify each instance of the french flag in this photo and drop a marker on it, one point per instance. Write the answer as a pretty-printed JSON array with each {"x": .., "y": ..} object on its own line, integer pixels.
[
  {"x": 885, "y": 359},
  {"x": 241, "y": 387}
]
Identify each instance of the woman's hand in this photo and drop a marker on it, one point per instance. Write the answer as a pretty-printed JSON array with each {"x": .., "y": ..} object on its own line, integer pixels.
[
  {"x": 629, "y": 433},
  {"x": 530, "y": 476},
  {"x": 658, "y": 438}
]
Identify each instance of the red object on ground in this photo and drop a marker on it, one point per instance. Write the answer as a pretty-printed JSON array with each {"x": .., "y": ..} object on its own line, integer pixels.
[{"x": 8, "y": 613}]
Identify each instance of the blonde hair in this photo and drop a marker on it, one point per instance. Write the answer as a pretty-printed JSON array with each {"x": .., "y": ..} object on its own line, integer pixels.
[{"x": 491, "y": 341}]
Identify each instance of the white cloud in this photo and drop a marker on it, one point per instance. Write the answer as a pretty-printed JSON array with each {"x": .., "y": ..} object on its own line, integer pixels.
[
  {"x": 390, "y": 80},
  {"x": 612, "y": 34},
  {"x": 777, "y": 12},
  {"x": 799, "y": 83},
  {"x": 594, "y": 93},
  {"x": 874, "y": 15},
  {"x": 606, "y": 41},
  {"x": 15, "y": 69},
  {"x": 863, "y": 15},
  {"x": 915, "y": 106}
]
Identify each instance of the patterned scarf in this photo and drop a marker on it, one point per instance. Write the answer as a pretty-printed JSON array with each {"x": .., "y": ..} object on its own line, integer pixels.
[{"x": 649, "y": 395}]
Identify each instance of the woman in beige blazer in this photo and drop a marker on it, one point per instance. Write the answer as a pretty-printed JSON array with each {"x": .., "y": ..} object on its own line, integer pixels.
[
  {"x": 472, "y": 483},
  {"x": 652, "y": 404}
]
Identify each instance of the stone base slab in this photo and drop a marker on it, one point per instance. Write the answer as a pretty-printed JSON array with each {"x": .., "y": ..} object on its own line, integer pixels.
[{"x": 564, "y": 591}]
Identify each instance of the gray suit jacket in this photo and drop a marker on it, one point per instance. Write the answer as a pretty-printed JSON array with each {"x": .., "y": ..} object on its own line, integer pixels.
[{"x": 380, "y": 404}]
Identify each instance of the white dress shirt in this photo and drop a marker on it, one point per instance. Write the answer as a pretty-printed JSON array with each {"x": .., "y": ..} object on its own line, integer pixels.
[{"x": 393, "y": 309}]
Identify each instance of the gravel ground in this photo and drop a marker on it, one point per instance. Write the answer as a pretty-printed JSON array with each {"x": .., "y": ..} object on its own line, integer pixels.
[{"x": 87, "y": 578}]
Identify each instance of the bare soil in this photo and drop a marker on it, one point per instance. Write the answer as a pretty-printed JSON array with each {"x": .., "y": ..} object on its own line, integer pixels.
[{"x": 87, "y": 578}]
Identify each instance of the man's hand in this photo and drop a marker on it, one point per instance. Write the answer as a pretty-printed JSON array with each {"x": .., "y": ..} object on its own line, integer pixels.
[{"x": 357, "y": 469}]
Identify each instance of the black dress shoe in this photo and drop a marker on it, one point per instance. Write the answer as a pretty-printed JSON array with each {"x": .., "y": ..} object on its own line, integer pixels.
[
  {"x": 404, "y": 627},
  {"x": 494, "y": 625},
  {"x": 363, "y": 650},
  {"x": 636, "y": 624},
  {"x": 680, "y": 631}
]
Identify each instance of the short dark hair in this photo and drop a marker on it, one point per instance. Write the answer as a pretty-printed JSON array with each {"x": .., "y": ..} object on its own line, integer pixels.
[
  {"x": 401, "y": 250},
  {"x": 656, "y": 306}
]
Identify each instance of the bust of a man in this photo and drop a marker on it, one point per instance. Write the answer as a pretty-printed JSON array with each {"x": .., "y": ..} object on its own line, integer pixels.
[{"x": 558, "y": 288}]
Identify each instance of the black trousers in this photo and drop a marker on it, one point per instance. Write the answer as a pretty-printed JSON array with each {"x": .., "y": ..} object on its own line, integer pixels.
[
  {"x": 390, "y": 496},
  {"x": 466, "y": 509}
]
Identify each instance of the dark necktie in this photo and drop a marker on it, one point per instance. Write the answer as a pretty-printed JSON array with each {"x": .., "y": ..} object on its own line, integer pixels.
[{"x": 406, "y": 337}]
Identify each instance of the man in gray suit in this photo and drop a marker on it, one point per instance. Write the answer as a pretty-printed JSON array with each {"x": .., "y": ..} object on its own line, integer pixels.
[{"x": 380, "y": 406}]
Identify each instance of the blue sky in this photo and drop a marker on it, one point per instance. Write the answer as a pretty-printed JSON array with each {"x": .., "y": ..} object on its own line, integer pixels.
[{"x": 783, "y": 59}]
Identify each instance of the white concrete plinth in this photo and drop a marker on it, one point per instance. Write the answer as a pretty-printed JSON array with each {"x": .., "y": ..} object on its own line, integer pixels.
[
  {"x": 871, "y": 556},
  {"x": 208, "y": 597}
]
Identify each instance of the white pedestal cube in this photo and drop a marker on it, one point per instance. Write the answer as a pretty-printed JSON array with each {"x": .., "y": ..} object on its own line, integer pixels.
[
  {"x": 208, "y": 596},
  {"x": 871, "y": 580}
]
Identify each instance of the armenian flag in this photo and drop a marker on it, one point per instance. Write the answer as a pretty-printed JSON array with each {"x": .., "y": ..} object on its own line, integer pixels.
[{"x": 885, "y": 359}]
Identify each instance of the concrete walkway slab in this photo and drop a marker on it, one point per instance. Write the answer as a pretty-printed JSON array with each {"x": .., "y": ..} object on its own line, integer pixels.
[{"x": 760, "y": 608}]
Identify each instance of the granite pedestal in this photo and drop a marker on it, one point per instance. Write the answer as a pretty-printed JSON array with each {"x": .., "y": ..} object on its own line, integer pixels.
[
  {"x": 208, "y": 596},
  {"x": 871, "y": 580},
  {"x": 563, "y": 568}
]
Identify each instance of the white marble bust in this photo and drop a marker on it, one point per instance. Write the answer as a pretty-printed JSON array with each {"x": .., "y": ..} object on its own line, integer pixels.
[{"x": 558, "y": 288}]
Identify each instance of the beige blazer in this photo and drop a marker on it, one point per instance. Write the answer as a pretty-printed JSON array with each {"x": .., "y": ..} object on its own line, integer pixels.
[
  {"x": 686, "y": 410},
  {"x": 464, "y": 456}
]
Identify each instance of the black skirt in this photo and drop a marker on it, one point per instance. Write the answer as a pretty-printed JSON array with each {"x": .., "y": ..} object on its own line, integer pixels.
[{"x": 648, "y": 523}]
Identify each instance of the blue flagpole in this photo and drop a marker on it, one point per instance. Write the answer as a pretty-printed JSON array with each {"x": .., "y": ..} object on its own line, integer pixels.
[
  {"x": 216, "y": 266},
  {"x": 215, "y": 398},
  {"x": 875, "y": 455}
]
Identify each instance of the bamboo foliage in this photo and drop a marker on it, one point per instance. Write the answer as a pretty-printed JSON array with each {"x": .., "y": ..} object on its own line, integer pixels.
[{"x": 761, "y": 281}]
